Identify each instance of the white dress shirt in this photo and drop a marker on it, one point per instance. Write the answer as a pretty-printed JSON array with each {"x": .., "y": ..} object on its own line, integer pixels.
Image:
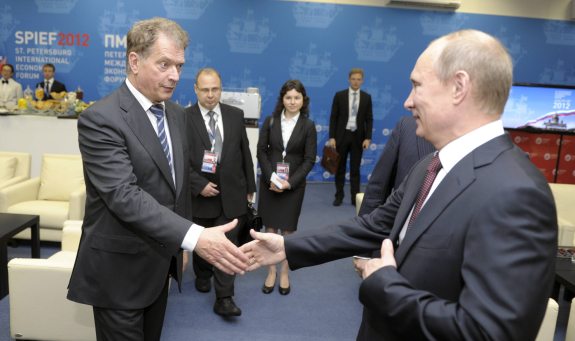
[
  {"x": 352, "y": 120},
  {"x": 193, "y": 234},
  {"x": 456, "y": 150},
  {"x": 288, "y": 125},
  {"x": 217, "y": 117},
  {"x": 10, "y": 93}
]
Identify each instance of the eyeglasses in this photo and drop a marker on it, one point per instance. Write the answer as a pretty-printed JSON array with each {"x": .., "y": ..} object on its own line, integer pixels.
[{"x": 206, "y": 91}]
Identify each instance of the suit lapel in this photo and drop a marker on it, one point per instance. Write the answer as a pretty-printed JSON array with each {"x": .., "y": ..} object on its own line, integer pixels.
[
  {"x": 345, "y": 95},
  {"x": 461, "y": 176},
  {"x": 138, "y": 121},
  {"x": 200, "y": 126},
  {"x": 229, "y": 131},
  {"x": 296, "y": 134}
]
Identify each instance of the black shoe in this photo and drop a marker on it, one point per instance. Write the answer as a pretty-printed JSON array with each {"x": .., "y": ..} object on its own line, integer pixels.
[
  {"x": 203, "y": 284},
  {"x": 267, "y": 290},
  {"x": 225, "y": 306},
  {"x": 337, "y": 202},
  {"x": 284, "y": 291}
]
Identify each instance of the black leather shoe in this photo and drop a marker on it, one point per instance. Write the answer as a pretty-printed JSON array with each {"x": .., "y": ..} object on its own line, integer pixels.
[
  {"x": 226, "y": 307},
  {"x": 203, "y": 284},
  {"x": 337, "y": 202},
  {"x": 267, "y": 290},
  {"x": 284, "y": 291}
]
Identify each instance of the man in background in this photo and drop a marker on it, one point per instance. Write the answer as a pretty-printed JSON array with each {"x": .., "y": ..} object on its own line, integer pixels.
[
  {"x": 222, "y": 177},
  {"x": 49, "y": 84},
  {"x": 350, "y": 126},
  {"x": 402, "y": 150},
  {"x": 136, "y": 169},
  {"x": 470, "y": 236},
  {"x": 10, "y": 90}
]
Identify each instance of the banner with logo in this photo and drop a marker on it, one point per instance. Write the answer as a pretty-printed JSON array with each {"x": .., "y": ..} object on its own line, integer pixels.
[{"x": 263, "y": 43}]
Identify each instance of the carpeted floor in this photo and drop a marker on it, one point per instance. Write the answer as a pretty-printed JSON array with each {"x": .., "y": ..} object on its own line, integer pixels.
[{"x": 322, "y": 305}]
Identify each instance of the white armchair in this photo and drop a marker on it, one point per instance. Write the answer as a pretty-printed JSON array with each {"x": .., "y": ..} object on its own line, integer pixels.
[
  {"x": 564, "y": 195},
  {"x": 14, "y": 168},
  {"x": 547, "y": 328},
  {"x": 358, "y": 200},
  {"x": 39, "y": 309},
  {"x": 59, "y": 194}
]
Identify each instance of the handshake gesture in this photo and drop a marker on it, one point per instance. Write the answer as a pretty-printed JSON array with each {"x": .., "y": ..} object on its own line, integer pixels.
[
  {"x": 265, "y": 249},
  {"x": 214, "y": 247}
]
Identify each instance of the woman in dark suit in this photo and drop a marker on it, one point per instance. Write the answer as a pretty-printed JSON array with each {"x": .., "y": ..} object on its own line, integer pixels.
[{"x": 286, "y": 153}]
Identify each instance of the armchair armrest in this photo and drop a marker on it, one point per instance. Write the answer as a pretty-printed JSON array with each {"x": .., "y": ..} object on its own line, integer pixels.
[
  {"x": 22, "y": 191},
  {"x": 71, "y": 234},
  {"x": 13, "y": 181},
  {"x": 38, "y": 289},
  {"x": 77, "y": 203}
]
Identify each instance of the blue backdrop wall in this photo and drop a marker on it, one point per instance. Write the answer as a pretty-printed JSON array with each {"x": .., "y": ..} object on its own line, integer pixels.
[{"x": 262, "y": 43}]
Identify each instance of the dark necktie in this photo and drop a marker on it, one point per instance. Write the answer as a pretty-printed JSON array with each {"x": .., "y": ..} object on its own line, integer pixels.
[
  {"x": 215, "y": 135},
  {"x": 47, "y": 88},
  {"x": 4, "y": 81},
  {"x": 158, "y": 111},
  {"x": 432, "y": 170}
]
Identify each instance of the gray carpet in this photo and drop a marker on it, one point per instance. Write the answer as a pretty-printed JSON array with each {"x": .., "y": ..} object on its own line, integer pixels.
[{"x": 322, "y": 305}]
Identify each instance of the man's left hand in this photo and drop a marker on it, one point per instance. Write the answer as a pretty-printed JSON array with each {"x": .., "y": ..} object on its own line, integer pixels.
[
  {"x": 387, "y": 259},
  {"x": 366, "y": 144}
]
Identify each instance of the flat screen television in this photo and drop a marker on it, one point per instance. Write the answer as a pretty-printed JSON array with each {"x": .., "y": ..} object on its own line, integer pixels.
[{"x": 540, "y": 106}]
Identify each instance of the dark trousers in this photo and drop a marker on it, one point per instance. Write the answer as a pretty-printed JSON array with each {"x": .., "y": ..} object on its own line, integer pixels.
[
  {"x": 352, "y": 145},
  {"x": 133, "y": 324},
  {"x": 223, "y": 283}
]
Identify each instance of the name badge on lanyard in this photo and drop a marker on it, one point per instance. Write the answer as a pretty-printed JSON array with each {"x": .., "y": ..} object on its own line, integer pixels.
[
  {"x": 209, "y": 162},
  {"x": 282, "y": 168}
]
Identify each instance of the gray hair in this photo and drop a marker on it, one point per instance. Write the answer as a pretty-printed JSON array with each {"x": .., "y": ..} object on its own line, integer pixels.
[{"x": 144, "y": 34}]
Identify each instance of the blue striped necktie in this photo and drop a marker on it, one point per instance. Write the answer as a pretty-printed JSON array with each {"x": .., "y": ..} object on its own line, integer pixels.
[{"x": 158, "y": 111}]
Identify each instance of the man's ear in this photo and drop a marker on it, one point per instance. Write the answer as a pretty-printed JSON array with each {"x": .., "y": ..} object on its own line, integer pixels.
[
  {"x": 461, "y": 86},
  {"x": 134, "y": 62}
]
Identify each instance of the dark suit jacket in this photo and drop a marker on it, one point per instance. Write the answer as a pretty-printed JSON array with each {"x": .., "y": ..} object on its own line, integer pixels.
[
  {"x": 340, "y": 114},
  {"x": 300, "y": 152},
  {"x": 133, "y": 226},
  {"x": 401, "y": 152},
  {"x": 477, "y": 264},
  {"x": 56, "y": 87},
  {"x": 235, "y": 172}
]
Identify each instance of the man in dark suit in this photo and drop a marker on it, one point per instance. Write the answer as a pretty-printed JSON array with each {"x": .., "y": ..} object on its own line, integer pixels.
[
  {"x": 476, "y": 261},
  {"x": 403, "y": 149},
  {"x": 222, "y": 177},
  {"x": 350, "y": 126},
  {"x": 49, "y": 84},
  {"x": 136, "y": 171}
]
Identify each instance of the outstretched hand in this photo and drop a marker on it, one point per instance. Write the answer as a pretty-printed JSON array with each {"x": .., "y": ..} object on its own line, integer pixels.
[
  {"x": 214, "y": 247},
  {"x": 387, "y": 259},
  {"x": 265, "y": 249}
]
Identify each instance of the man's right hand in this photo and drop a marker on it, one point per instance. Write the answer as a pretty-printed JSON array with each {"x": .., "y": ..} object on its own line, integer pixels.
[
  {"x": 210, "y": 190},
  {"x": 214, "y": 247},
  {"x": 331, "y": 143},
  {"x": 265, "y": 249}
]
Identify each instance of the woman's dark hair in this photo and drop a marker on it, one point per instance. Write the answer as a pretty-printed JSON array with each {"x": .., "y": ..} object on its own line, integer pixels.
[{"x": 292, "y": 84}]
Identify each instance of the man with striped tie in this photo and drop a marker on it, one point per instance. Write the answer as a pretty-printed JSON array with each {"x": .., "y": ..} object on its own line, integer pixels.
[{"x": 136, "y": 170}]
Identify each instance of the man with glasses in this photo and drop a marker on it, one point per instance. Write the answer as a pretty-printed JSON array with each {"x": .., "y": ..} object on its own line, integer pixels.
[{"x": 222, "y": 177}]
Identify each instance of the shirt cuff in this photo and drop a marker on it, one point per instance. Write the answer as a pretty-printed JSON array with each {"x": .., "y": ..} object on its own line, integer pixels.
[{"x": 192, "y": 236}]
